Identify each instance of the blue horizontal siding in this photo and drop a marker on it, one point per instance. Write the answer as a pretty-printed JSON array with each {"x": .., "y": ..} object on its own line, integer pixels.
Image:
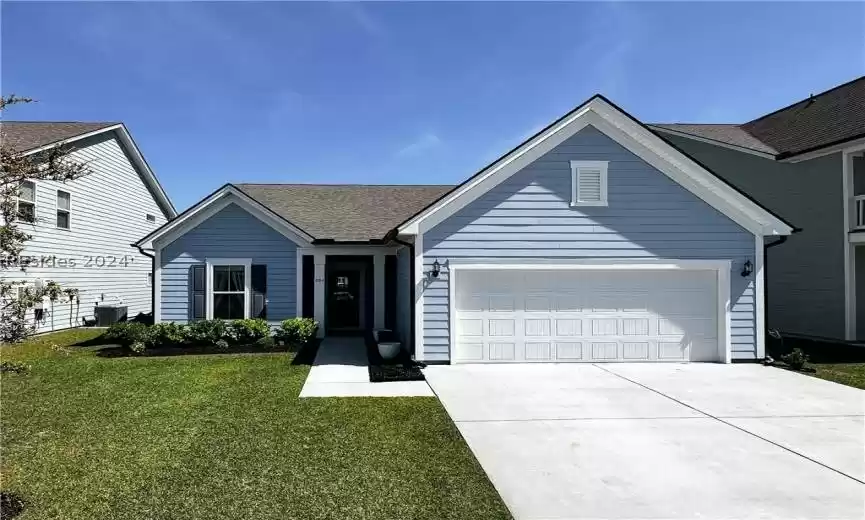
[
  {"x": 230, "y": 233},
  {"x": 528, "y": 217}
]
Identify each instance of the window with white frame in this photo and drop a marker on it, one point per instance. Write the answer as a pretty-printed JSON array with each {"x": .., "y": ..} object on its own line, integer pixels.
[
  {"x": 228, "y": 290},
  {"x": 64, "y": 206},
  {"x": 26, "y": 209},
  {"x": 589, "y": 183}
]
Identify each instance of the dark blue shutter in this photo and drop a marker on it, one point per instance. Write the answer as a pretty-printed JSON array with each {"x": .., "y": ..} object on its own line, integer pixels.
[
  {"x": 259, "y": 291},
  {"x": 197, "y": 274}
]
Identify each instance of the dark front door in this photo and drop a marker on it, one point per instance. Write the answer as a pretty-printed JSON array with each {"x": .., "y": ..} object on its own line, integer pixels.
[{"x": 343, "y": 299}]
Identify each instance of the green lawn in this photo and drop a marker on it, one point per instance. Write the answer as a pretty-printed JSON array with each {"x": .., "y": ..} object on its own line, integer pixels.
[
  {"x": 222, "y": 436},
  {"x": 850, "y": 374}
]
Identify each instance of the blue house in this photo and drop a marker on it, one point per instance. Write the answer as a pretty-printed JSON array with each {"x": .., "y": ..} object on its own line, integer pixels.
[{"x": 594, "y": 240}]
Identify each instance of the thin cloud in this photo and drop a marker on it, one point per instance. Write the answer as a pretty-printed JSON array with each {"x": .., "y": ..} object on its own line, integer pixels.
[{"x": 423, "y": 143}]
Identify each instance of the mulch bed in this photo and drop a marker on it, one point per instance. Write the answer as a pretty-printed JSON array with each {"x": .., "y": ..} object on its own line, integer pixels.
[{"x": 401, "y": 368}]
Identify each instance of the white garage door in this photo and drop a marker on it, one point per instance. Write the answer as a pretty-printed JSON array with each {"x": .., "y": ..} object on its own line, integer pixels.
[{"x": 585, "y": 315}]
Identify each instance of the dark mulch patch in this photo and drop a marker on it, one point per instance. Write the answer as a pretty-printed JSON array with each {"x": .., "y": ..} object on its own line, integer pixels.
[
  {"x": 111, "y": 351},
  {"x": 306, "y": 354},
  {"x": 11, "y": 505},
  {"x": 401, "y": 368},
  {"x": 818, "y": 350}
]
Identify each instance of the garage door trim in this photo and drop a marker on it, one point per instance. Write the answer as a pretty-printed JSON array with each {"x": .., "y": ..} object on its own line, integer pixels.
[{"x": 722, "y": 267}]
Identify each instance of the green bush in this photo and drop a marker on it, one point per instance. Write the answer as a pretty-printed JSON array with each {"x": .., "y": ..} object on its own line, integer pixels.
[
  {"x": 168, "y": 334},
  {"x": 128, "y": 332},
  {"x": 247, "y": 332},
  {"x": 297, "y": 332},
  {"x": 207, "y": 332},
  {"x": 796, "y": 359}
]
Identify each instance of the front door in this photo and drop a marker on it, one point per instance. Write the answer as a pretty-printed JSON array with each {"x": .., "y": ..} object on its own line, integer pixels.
[{"x": 343, "y": 299}]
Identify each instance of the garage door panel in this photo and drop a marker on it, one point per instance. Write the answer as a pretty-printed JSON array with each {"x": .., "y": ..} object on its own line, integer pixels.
[
  {"x": 564, "y": 316},
  {"x": 635, "y": 351},
  {"x": 500, "y": 351},
  {"x": 568, "y": 351},
  {"x": 606, "y": 351},
  {"x": 536, "y": 327},
  {"x": 569, "y": 326},
  {"x": 538, "y": 351}
]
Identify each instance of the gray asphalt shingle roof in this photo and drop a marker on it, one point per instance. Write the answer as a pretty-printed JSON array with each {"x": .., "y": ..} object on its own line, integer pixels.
[
  {"x": 344, "y": 212},
  {"x": 821, "y": 120},
  {"x": 27, "y": 135},
  {"x": 724, "y": 133}
]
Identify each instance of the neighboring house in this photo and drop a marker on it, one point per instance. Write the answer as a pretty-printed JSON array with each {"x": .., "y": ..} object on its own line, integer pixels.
[
  {"x": 805, "y": 162},
  {"x": 82, "y": 230},
  {"x": 594, "y": 240}
]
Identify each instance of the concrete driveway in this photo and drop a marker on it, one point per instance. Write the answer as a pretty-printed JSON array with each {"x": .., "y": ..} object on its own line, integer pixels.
[{"x": 661, "y": 441}]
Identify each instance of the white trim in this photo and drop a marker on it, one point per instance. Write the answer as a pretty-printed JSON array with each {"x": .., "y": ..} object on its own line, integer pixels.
[
  {"x": 34, "y": 202},
  {"x": 349, "y": 250},
  {"x": 58, "y": 209},
  {"x": 856, "y": 238},
  {"x": 708, "y": 140},
  {"x": 850, "y": 146},
  {"x": 418, "y": 295},
  {"x": 722, "y": 267},
  {"x": 760, "y": 296},
  {"x": 576, "y": 168},
  {"x": 137, "y": 157},
  {"x": 157, "y": 284},
  {"x": 213, "y": 204},
  {"x": 636, "y": 138},
  {"x": 318, "y": 279},
  {"x": 247, "y": 283},
  {"x": 298, "y": 306}
]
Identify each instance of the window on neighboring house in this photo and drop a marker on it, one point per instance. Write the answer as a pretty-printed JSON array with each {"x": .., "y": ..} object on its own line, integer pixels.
[
  {"x": 151, "y": 218},
  {"x": 26, "y": 210},
  {"x": 228, "y": 296},
  {"x": 149, "y": 279},
  {"x": 64, "y": 205},
  {"x": 589, "y": 183}
]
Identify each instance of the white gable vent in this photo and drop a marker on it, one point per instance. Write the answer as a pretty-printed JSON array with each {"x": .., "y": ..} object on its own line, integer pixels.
[{"x": 589, "y": 183}]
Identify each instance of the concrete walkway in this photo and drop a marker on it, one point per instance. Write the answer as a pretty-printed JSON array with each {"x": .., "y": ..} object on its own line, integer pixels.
[
  {"x": 671, "y": 441},
  {"x": 340, "y": 370}
]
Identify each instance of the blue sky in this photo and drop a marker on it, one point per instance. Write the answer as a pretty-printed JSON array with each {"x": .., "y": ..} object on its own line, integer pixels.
[{"x": 401, "y": 93}]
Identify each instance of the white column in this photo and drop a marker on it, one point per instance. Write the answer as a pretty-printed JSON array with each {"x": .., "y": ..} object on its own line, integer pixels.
[
  {"x": 379, "y": 290},
  {"x": 319, "y": 284}
]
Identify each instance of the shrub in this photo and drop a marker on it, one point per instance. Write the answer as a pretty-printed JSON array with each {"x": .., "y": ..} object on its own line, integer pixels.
[
  {"x": 168, "y": 334},
  {"x": 247, "y": 332},
  {"x": 126, "y": 333},
  {"x": 11, "y": 505},
  {"x": 795, "y": 359},
  {"x": 207, "y": 332},
  {"x": 297, "y": 332}
]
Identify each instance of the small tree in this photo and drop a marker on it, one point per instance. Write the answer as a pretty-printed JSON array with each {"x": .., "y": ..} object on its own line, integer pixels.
[{"x": 15, "y": 168}]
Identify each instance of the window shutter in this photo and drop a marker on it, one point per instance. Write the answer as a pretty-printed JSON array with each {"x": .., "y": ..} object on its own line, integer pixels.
[
  {"x": 589, "y": 185},
  {"x": 259, "y": 291},
  {"x": 199, "y": 292}
]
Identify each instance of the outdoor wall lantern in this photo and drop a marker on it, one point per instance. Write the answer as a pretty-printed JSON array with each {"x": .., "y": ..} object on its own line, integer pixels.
[
  {"x": 747, "y": 269},
  {"x": 436, "y": 269}
]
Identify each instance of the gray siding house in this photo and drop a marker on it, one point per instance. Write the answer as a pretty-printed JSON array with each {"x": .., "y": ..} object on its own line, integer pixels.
[
  {"x": 804, "y": 162},
  {"x": 594, "y": 240},
  {"x": 82, "y": 229}
]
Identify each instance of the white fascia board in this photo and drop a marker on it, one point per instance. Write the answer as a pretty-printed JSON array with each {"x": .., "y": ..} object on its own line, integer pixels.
[
  {"x": 212, "y": 205},
  {"x": 135, "y": 154},
  {"x": 632, "y": 136}
]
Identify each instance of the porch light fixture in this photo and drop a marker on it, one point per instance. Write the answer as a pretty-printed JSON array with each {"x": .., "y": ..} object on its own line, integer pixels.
[
  {"x": 436, "y": 269},
  {"x": 747, "y": 269}
]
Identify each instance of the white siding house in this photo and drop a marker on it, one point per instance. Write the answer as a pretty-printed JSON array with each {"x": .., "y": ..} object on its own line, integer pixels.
[{"x": 84, "y": 229}]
